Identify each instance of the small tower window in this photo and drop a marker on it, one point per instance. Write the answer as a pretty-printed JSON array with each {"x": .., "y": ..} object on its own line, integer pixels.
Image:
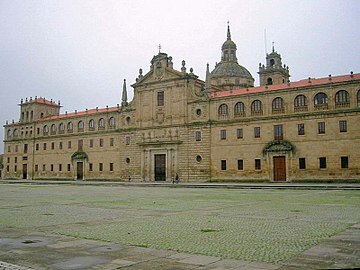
[
  {"x": 269, "y": 81},
  {"x": 272, "y": 62}
]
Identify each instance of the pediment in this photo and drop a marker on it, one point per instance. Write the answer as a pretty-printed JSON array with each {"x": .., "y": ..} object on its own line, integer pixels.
[
  {"x": 281, "y": 146},
  {"x": 157, "y": 75}
]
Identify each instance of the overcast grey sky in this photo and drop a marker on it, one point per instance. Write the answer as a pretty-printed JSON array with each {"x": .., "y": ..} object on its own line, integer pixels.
[{"x": 79, "y": 52}]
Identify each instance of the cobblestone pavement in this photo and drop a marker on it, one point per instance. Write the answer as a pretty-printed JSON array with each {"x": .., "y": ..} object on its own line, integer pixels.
[{"x": 96, "y": 227}]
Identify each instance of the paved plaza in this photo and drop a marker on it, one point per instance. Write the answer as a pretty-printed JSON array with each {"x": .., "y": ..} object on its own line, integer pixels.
[{"x": 139, "y": 227}]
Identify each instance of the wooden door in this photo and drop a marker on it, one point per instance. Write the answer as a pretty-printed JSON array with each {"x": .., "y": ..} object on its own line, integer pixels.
[
  {"x": 24, "y": 171},
  {"x": 80, "y": 171},
  {"x": 279, "y": 169},
  {"x": 160, "y": 167}
]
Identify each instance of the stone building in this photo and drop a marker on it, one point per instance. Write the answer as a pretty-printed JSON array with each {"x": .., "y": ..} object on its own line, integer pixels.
[{"x": 220, "y": 129}]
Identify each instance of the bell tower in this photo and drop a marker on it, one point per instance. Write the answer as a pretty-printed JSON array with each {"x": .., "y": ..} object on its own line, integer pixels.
[{"x": 274, "y": 72}]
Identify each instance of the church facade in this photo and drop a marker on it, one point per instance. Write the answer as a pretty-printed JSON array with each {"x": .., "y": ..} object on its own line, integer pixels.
[{"x": 220, "y": 129}]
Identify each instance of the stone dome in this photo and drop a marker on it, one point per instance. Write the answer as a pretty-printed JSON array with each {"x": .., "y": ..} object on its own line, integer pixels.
[
  {"x": 230, "y": 69},
  {"x": 229, "y": 44}
]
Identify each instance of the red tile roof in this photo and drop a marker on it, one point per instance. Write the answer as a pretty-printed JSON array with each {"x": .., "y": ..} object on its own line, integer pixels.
[
  {"x": 43, "y": 101},
  {"x": 74, "y": 114},
  {"x": 284, "y": 86}
]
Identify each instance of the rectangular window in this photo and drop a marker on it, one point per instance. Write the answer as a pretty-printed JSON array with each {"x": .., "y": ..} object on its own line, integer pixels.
[
  {"x": 9, "y": 149},
  {"x": 278, "y": 132},
  {"x": 101, "y": 142},
  {"x": 197, "y": 135},
  {"x": 90, "y": 167},
  {"x": 91, "y": 143},
  {"x": 160, "y": 98},
  {"x": 44, "y": 146},
  {"x": 38, "y": 131},
  {"x": 127, "y": 140},
  {"x": 69, "y": 144},
  {"x": 240, "y": 164},
  {"x": 111, "y": 141},
  {"x": 80, "y": 145},
  {"x": 60, "y": 145},
  {"x": 44, "y": 167},
  {"x": 321, "y": 127},
  {"x": 100, "y": 167},
  {"x": 302, "y": 164},
  {"x": 111, "y": 167},
  {"x": 257, "y": 132},
  {"x": 52, "y": 146},
  {"x": 52, "y": 167},
  {"x": 7, "y": 168},
  {"x": 223, "y": 134},
  {"x": 239, "y": 133},
  {"x": 15, "y": 168},
  {"x": 25, "y": 148},
  {"x": 257, "y": 164},
  {"x": 223, "y": 165},
  {"x": 25, "y": 158},
  {"x": 344, "y": 162},
  {"x": 16, "y": 148},
  {"x": 69, "y": 167},
  {"x": 301, "y": 129},
  {"x": 8, "y": 160},
  {"x": 343, "y": 126},
  {"x": 15, "y": 159},
  {"x": 322, "y": 162},
  {"x": 36, "y": 168},
  {"x": 60, "y": 167}
]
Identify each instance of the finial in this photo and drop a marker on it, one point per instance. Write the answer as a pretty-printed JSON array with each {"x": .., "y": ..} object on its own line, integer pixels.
[
  {"x": 273, "y": 46},
  {"x": 183, "y": 68},
  {"x": 228, "y": 31},
  {"x": 207, "y": 78},
  {"x": 159, "y": 48},
  {"x": 124, "y": 95}
]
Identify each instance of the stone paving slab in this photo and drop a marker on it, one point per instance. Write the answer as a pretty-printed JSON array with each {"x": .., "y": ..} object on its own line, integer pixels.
[
  {"x": 341, "y": 251},
  {"x": 200, "y": 260}
]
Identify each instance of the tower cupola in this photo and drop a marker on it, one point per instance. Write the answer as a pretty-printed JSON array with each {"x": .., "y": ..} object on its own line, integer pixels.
[
  {"x": 228, "y": 73},
  {"x": 274, "y": 72}
]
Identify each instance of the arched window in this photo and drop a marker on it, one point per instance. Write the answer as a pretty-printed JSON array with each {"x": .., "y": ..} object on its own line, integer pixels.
[
  {"x": 16, "y": 132},
  {"x": 272, "y": 62},
  {"x": 320, "y": 99},
  {"x": 53, "y": 129},
  {"x": 46, "y": 130},
  {"x": 256, "y": 107},
  {"x": 278, "y": 105},
  {"x": 112, "y": 122},
  {"x": 101, "y": 123},
  {"x": 61, "y": 127},
  {"x": 239, "y": 109},
  {"x": 223, "y": 111},
  {"x": 81, "y": 126},
  {"x": 358, "y": 98},
  {"x": 269, "y": 81},
  {"x": 91, "y": 124},
  {"x": 70, "y": 127},
  {"x": 342, "y": 99},
  {"x": 300, "y": 101},
  {"x": 9, "y": 133},
  {"x": 32, "y": 115}
]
